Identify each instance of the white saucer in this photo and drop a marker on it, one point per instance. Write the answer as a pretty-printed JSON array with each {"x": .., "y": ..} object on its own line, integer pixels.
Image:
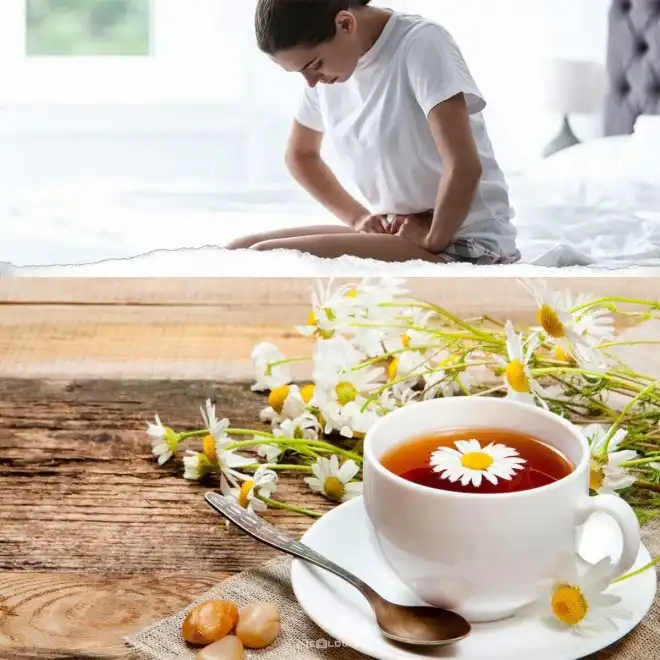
[{"x": 341, "y": 611}]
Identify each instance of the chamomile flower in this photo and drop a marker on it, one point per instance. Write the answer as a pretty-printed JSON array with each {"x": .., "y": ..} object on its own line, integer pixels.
[
  {"x": 470, "y": 463},
  {"x": 330, "y": 305},
  {"x": 397, "y": 396},
  {"x": 449, "y": 377},
  {"x": 410, "y": 363},
  {"x": 270, "y": 452},
  {"x": 262, "y": 484},
  {"x": 340, "y": 380},
  {"x": 305, "y": 426},
  {"x": 197, "y": 465},
  {"x": 164, "y": 441},
  {"x": 216, "y": 428},
  {"x": 577, "y": 334},
  {"x": 268, "y": 374},
  {"x": 333, "y": 481},
  {"x": 577, "y": 602},
  {"x": 215, "y": 444},
  {"x": 607, "y": 475},
  {"x": 287, "y": 402},
  {"x": 520, "y": 384}
]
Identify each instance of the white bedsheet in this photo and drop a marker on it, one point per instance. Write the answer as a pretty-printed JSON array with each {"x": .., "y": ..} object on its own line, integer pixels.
[{"x": 123, "y": 230}]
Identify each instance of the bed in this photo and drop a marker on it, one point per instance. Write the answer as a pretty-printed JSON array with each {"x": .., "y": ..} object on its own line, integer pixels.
[{"x": 595, "y": 205}]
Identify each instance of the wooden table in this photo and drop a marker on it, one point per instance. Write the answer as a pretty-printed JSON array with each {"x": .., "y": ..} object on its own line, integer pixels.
[{"x": 96, "y": 540}]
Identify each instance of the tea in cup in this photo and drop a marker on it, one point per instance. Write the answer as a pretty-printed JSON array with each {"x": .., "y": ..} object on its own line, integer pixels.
[{"x": 472, "y": 501}]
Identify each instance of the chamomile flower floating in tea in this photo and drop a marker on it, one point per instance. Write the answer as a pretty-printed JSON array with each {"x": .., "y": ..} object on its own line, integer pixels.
[
  {"x": 607, "y": 474},
  {"x": 334, "y": 481},
  {"x": 164, "y": 441},
  {"x": 470, "y": 463},
  {"x": 578, "y": 602}
]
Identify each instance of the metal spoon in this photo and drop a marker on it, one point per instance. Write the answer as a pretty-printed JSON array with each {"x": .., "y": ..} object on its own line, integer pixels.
[{"x": 418, "y": 625}]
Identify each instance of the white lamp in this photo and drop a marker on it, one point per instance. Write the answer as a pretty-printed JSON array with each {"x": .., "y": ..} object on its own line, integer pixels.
[{"x": 574, "y": 87}]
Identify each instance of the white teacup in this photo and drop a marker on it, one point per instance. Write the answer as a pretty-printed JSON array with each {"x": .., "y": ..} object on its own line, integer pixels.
[{"x": 482, "y": 555}]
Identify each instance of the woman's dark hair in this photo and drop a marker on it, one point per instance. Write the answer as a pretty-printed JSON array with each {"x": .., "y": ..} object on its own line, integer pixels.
[{"x": 284, "y": 24}]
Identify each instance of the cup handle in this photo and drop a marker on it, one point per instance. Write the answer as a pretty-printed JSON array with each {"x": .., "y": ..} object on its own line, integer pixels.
[{"x": 627, "y": 521}]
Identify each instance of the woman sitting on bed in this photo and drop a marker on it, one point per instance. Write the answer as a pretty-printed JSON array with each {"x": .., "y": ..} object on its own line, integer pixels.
[{"x": 394, "y": 95}]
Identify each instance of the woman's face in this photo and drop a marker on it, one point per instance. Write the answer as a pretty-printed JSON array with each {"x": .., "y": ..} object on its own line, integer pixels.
[{"x": 331, "y": 62}]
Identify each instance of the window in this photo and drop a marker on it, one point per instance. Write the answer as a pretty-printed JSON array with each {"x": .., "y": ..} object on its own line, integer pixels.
[{"x": 87, "y": 27}]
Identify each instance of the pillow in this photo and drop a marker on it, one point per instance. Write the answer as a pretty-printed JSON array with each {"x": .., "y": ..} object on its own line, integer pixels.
[
  {"x": 648, "y": 126},
  {"x": 578, "y": 175},
  {"x": 641, "y": 157}
]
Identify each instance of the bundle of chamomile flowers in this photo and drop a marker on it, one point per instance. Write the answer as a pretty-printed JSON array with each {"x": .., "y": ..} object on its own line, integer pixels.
[{"x": 377, "y": 348}]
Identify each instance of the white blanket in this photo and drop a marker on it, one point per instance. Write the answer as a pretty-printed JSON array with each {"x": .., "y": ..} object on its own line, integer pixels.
[{"x": 578, "y": 209}]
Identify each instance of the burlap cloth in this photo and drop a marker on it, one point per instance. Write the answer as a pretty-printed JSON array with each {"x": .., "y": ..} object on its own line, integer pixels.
[{"x": 301, "y": 639}]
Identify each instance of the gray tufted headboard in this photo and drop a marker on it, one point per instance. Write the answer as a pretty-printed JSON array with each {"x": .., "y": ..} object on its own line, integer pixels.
[{"x": 633, "y": 64}]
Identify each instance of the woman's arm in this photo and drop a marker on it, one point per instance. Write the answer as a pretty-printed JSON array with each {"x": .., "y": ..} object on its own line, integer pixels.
[
  {"x": 303, "y": 158},
  {"x": 450, "y": 126}
]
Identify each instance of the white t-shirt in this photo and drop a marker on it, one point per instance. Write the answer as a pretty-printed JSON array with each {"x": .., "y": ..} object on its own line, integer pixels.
[{"x": 377, "y": 125}]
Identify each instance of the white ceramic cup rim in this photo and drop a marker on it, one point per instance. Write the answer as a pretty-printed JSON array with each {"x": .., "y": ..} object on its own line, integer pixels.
[{"x": 413, "y": 408}]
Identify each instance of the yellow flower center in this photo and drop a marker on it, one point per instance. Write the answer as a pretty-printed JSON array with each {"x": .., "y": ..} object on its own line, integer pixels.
[
  {"x": 569, "y": 604},
  {"x": 476, "y": 460},
  {"x": 346, "y": 393},
  {"x": 352, "y": 293},
  {"x": 313, "y": 321},
  {"x": 549, "y": 320},
  {"x": 277, "y": 397},
  {"x": 204, "y": 466},
  {"x": 307, "y": 393},
  {"x": 171, "y": 439},
  {"x": 209, "y": 449},
  {"x": 405, "y": 341},
  {"x": 597, "y": 472},
  {"x": 516, "y": 377},
  {"x": 246, "y": 487},
  {"x": 562, "y": 355},
  {"x": 334, "y": 489},
  {"x": 393, "y": 368}
]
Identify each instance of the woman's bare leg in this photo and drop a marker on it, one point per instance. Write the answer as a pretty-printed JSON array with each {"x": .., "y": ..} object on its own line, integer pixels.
[
  {"x": 246, "y": 242},
  {"x": 382, "y": 247}
]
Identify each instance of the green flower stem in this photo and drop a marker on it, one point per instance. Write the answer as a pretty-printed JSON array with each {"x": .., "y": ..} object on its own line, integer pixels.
[
  {"x": 286, "y": 361},
  {"x": 623, "y": 414},
  {"x": 648, "y": 485},
  {"x": 490, "y": 319},
  {"x": 639, "y": 571},
  {"x": 193, "y": 434},
  {"x": 641, "y": 461},
  {"x": 294, "y": 467},
  {"x": 289, "y": 442},
  {"x": 384, "y": 356},
  {"x": 627, "y": 343},
  {"x": 492, "y": 390},
  {"x": 592, "y": 374},
  {"x": 263, "y": 434},
  {"x": 448, "y": 315},
  {"x": 603, "y": 302},
  {"x": 289, "y": 507}
]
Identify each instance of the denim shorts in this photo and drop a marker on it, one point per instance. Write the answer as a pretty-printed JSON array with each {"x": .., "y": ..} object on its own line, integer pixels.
[{"x": 474, "y": 251}]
